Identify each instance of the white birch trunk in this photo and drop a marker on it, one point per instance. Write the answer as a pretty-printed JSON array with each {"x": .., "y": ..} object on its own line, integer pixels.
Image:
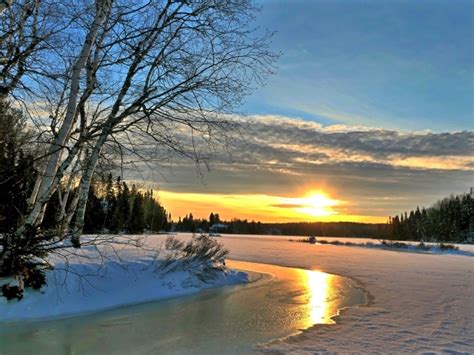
[
  {"x": 84, "y": 187},
  {"x": 56, "y": 149},
  {"x": 63, "y": 218}
]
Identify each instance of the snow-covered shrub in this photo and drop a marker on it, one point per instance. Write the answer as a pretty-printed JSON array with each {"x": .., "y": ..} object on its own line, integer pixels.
[
  {"x": 202, "y": 256},
  {"x": 19, "y": 259}
]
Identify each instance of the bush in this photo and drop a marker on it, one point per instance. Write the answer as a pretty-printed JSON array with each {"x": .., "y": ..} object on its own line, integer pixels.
[
  {"x": 34, "y": 278},
  {"x": 202, "y": 256},
  {"x": 423, "y": 246},
  {"x": 11, "y": 292},
  {"x": 20, "y": 251},
  {"x": 310, "y": 240},
  {"x": 443, "y": 246},
  {"x": 392, "y": 244},
  {"x": 19, "y": 260}
]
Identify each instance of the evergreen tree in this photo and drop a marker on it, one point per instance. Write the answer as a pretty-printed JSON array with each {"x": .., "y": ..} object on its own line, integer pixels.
[
  {"x": 122, "y": 209},
  {"x": 17, "y": 172},
  {"x": 155, "y": 214},
  {"x": 110, "y": 201},
  {"x": 136, "y": 222},
  {"x": 52, "y": 211},
  {"x": 448, "y": 220},
  {"x": 95, "y": 215}
]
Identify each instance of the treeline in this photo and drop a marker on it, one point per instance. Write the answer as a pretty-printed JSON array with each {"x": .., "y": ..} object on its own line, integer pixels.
[
  {"x": 239, "y": 226},
  {"x": 331, "y": 229},
  {"x": 194, "y": 225},
  {"x": 449, "y": 220},
  {"x": 328, "y": 229},
  {"x": 113, "y": 207}
]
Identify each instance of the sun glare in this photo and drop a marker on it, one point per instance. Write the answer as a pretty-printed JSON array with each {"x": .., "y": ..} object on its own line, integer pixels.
[
  {"x": 315, "y": 205},
  {"x": 318, "y": 204}
]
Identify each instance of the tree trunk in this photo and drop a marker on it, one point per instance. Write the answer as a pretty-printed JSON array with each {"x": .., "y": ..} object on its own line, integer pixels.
[
  {"x": 56, "y": 149},
  {"x": 63, "y": 219},
  {"x": 84, "y": 187}
]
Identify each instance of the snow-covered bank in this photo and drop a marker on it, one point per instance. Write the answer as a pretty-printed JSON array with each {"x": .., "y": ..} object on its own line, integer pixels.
[
  {"x": 422, "y": 303},
  {"x": 109, "y": 276},
  {"x": 410, "y": 247},
  {"x": 460, "y": 247}
]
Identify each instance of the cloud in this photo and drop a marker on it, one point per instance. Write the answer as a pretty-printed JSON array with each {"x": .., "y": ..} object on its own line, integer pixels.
[
  {"x": 308, "y": 137},
  {"x": 281, "y": 156},
  {"x": 289, "y": 205}
]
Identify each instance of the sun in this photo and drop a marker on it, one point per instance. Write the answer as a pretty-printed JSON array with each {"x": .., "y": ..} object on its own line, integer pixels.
[{"x": 318, "y": 204}]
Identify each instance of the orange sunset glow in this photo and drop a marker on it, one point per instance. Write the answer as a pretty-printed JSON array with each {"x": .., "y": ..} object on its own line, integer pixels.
[{"x": 314, "y": 206}]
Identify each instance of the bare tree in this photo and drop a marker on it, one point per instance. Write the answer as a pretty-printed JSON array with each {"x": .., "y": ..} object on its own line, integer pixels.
[
  {"x": 149, "y": 68},
  {"x": 30, "y": 32}
]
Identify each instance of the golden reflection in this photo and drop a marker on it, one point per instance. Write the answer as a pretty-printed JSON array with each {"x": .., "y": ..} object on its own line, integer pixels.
[
  {"x": 308, "y": 297},
  {"x": 319, "y": 293}
]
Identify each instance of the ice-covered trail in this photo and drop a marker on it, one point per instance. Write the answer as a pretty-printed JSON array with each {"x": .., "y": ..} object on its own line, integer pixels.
[{"x": 421, "y": 303}]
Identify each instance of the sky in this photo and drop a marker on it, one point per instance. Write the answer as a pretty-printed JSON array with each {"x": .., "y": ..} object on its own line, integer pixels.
[
  {"x": 369, "y": 113},
  {"x": 394, "y": 64}
]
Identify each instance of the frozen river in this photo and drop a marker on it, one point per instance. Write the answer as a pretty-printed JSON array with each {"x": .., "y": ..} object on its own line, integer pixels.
[
  {"x": 420, "y": 303},
  {"x": 234, "y": 319}
]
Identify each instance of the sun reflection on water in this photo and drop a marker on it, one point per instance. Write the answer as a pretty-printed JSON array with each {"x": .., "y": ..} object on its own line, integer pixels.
[
  {"x": 313, "y": 294},
  {"x": 319, "y": 293}
]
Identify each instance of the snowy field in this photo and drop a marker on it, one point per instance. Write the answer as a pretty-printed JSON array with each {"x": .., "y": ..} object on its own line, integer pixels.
[
  {"x": 463, "y": 249},
  {"x": 419, "y": 302}
]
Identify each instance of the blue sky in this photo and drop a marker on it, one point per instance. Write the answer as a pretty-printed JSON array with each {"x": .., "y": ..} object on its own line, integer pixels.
[{"x": 388, "y": 64}]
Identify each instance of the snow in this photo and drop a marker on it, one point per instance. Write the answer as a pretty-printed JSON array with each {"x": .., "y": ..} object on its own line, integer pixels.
[
  {"x": 421, "y": 302},
  {"x": 409, "y": 247},
  {"x": 109, "y": 276}
]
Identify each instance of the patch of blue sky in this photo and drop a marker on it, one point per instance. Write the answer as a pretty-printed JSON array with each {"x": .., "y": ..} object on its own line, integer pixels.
[
  {"x": 392, "y": 64},
  {"x": 256, "y": 107}
]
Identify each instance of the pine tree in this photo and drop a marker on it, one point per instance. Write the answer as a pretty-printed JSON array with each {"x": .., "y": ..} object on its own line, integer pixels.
[
  {"x": 120, "y": 215},
  {"x": 17, "y": 172},
  {"x": 448, "y": 220},
  {"x": 136, "y": 222},
  {"x": 95, "y": 215},
  {"x": 110, "y": 202}
]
